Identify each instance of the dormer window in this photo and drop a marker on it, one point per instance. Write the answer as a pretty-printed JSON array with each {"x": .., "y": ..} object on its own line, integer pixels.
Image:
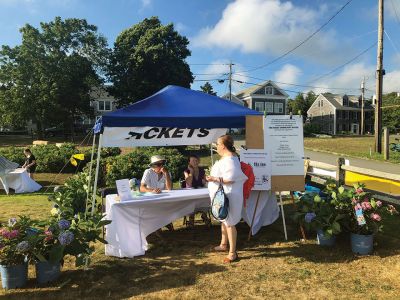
[
  {"x": 267, "y": 90},
  {"x": 345, "y": 100}
]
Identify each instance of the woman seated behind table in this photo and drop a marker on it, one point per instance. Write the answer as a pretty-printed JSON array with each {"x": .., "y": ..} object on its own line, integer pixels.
[
  {"x": 156, "y": 178},
  {"x": 195, "y": 177}
]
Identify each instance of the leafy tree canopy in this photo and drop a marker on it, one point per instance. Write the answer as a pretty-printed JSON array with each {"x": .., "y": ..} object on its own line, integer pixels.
[
  {"x": 301, "y": 103},
  {"x": 147, "y": 57},
  {"x": 49, "y": 76}
]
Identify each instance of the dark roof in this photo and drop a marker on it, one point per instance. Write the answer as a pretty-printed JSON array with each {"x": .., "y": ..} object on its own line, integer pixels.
[{"x": 336, "y": 100}]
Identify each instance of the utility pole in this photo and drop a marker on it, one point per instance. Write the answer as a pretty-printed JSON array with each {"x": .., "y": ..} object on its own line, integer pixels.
[
  {"x": 362, "y": 106},
  {"x": 379, "y": 78}
]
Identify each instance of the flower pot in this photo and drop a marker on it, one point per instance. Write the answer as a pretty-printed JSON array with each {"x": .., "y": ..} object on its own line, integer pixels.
[
  {"x": 323, "y": 240},
  {"x": 13, "y": 277},
  {"x": 47, "y": 272},
  {"x": 362, "y": 244}
]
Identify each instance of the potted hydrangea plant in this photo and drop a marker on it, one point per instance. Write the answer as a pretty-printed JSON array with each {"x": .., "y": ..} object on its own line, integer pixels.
[
  {"x": 320, "y": 214},
  {"x": 49, "y": 247},
  {"x": 364, "y": 216},
  {"x": 14, "y": 250}
]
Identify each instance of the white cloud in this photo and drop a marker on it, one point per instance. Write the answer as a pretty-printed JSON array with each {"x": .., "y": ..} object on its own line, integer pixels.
[
  {"x": 145, "y": 3},
  {"x": 273, "y": 27},
  {"x": 289, "y": 73},
  {"x": 391, "y": 82},
  {"x": 180, "y": 27}
]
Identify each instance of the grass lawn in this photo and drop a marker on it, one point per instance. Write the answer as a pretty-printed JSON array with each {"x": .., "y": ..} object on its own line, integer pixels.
[
  {"x": 184, "y": 266},
  {"x": 352, "y": 146}
]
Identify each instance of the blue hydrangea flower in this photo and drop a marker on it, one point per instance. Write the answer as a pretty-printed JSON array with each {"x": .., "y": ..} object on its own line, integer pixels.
[
  {"x": 31, "y": 231},
  {"x": 22, "y": 246},
  {"x": 66, "y": 238},
  {"x": 64, "y": 224},
  {"x": 309, "y": 217}
]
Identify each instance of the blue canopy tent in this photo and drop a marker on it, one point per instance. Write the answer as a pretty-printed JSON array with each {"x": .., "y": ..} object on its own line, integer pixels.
[{"x": 173, "y": 113}]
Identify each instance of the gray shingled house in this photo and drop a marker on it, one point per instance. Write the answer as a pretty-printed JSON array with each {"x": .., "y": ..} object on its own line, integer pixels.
[
  {"x": 266, "y": 96},
  {"x": 337, "y": 114}
]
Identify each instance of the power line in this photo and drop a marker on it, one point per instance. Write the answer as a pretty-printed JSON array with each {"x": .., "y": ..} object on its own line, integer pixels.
[
  {"x": 345, "y": 64},
  {"x": 301, "y": 43},
  {"x": 299, "y": 85},
  {"x": 395, "y": 12},
  {"x": 257, "y": 84},
  {"x": 393, "y": 44}
]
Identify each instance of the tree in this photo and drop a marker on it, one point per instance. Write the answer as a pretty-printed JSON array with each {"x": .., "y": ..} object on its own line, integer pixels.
[
  {"x": 301, "y": 104},
  {"x": 49, "y": 76},
  {"x": 208, "y": 89},
  {"x": 147, "y": 57},
  {"x": 391, "y": 111}
]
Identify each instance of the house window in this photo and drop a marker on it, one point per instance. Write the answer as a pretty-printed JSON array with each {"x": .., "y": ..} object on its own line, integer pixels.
[
  {"x": 322, "y": 103},
  {"x": 259, "y": 106},
  {"x": 330, "y": 115},
  {"x": 104, "y": 105},
  {"x": 346, "y": 114},
  {"x": 269, "y": 90},
  {"x": 269, "y": 107},
  {"x": 278, "y": 108}
]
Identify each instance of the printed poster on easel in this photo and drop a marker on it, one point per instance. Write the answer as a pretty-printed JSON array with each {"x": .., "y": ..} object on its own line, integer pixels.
[
  {"x": 261, "y": 164},
  {"x": 283, "y": 139}
]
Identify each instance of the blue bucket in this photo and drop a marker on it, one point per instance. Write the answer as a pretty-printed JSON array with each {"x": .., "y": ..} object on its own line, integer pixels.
[
  {"x": 47, "y": 272},
  {"x": 13, "y": 277},
  {"x": 323, "y": 240},
  {"x": 362, "y": 244}
]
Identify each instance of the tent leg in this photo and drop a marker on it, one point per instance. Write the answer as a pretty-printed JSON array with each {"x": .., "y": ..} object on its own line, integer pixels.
[
  {"x": 90, "y": 171},
  {"x": 283, "y": 215},
  {"x": 96, "y": 176}
]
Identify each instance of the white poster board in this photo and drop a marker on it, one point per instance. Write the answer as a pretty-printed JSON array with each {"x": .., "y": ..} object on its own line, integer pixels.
[
  {"x": 159, "y": 136},
  {"x": 283, "y": 139},
  {"x": 124, "y": 190},
  {"x": 260, "y": 160}
]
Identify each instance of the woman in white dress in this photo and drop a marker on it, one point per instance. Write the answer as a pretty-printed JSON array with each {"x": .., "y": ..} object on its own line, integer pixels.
[{"x": 229, "y": 171}]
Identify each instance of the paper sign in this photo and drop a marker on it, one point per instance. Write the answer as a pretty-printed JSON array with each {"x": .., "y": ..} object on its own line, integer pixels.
[
  {"x": 283, "y": 139},
  {"x": 261, "y": 164},
  {"x": 123, "y": 189}
]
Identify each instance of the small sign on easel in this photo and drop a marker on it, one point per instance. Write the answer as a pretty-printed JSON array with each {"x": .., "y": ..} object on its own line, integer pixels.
[{"x": 124, "y": 190}]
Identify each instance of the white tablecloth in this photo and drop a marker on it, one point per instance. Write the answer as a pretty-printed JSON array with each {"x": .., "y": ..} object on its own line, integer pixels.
[
  {"x": 19, "y": 181},
  {"x": 133, "y": 221}
]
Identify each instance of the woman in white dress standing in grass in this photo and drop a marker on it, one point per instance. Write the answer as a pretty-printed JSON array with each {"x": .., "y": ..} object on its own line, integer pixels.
[{"x": 229, "y": 171}]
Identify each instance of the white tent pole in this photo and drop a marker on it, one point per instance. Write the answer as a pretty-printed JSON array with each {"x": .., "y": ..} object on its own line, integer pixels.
[
  {"x": 96, "y": 176},
  {"x": 90, "y": 171}
]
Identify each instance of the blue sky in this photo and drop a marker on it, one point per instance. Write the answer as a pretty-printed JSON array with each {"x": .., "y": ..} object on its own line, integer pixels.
[{"x": 250, "y": 34}]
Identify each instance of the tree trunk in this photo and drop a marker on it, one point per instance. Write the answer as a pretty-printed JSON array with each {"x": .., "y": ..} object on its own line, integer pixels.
[{"x": 39, "y": 129}]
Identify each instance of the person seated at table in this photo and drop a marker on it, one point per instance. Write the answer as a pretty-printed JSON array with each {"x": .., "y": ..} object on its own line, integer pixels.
[
  {"x": 30, "y": 162},
  {"x": 156, "y": 178},
  {"x": 195, "y": 177}
]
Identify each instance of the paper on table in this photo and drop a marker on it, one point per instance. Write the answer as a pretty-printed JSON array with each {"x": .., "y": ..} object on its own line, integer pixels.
[{"x": 124, "y": 190}]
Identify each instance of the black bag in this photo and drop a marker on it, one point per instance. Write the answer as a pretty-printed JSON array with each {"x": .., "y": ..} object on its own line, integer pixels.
[{"x": 220, "y": 204}]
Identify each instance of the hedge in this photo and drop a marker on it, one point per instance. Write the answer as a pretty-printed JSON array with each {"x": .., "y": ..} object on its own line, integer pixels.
[
  {"x": 52, "y": 159},
  {"x": 133, "y": 164}
]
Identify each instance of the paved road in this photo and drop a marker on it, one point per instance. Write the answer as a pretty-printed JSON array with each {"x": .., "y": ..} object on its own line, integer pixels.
[{"x": 356, "y": 162}]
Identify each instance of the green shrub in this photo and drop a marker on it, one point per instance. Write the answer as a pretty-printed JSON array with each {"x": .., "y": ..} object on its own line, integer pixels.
[
  {"x": 135, "y": 163},
  {"x": 52, "y": 159},
  {"x": 309, "y": 129}
]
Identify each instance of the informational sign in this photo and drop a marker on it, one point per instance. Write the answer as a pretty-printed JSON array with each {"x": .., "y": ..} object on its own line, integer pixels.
[
  {"x": 124, "y": 190},
  {"x": 283, "y": 139},
  {"x": 159, "y": 136},
  {"x": 261, "y": 163}
]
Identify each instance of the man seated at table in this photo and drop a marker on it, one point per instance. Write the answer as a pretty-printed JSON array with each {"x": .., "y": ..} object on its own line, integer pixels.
[{"x": 156, "y": 178}]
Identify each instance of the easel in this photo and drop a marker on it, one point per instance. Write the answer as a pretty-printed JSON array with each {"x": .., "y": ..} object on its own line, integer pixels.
[{"x": 255, "y": 140}]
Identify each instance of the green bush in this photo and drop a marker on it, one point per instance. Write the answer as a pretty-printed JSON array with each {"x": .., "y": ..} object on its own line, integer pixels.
[
  {"x": 52, "y": 159},
  {"x": 135, "y": 163},
  {"x": 309, "y": 129}
]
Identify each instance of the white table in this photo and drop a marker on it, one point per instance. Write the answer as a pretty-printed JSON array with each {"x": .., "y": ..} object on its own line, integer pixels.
[
  {"x": 19, "y": 181},
  {"x": 134, "y": 220}
]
